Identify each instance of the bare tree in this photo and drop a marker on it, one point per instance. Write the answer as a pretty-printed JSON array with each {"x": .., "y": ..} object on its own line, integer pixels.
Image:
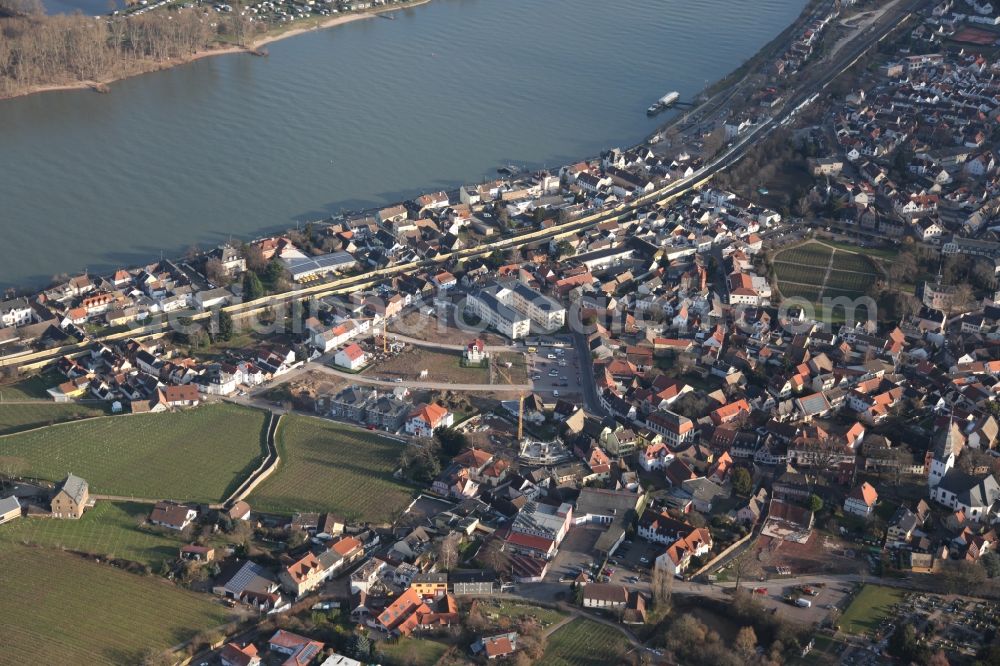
[
  {"x": 662, "y": 586},
  {"x": 446, "y": 550},
  {"x": 216, "y": 272}
]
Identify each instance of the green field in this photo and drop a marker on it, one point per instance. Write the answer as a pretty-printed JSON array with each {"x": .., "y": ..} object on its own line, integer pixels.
[
  {"x": 61, "y": 609},
  {"x": 814, "y": 271},
  {"x": 585, "y": 643},
  {"x": 199, "y": 455},
  {"x": 545, "y": 616},
  {"x": 110, "y": 529},
  {"x": 872, "y": 604},
  {"x": 31, "y": 388},
  {"x": 874, "y": 252},
  {"x": 14, "y": 418},
  {"x": 327, "y": 466},
  {"x": 415, "y": 651}
]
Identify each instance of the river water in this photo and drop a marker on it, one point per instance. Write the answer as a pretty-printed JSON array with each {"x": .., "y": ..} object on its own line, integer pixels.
[{"x": 354, "y": 116}]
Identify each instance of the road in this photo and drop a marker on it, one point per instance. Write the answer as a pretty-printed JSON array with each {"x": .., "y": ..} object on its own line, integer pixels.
[
  {"x": 362, "y": 379},
  {"x": 417, "y": 342},
  {"x": 587, "y": 383}
]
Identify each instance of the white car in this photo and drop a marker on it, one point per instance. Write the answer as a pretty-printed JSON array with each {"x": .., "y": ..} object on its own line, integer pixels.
[{"x": 555, "y": 393}]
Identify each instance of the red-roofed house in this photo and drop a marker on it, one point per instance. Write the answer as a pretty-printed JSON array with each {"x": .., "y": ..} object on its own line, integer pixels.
[
  {"x": 730, "y": 412},
  {"x": 300, "y": 650},
  {"x": 677, "y": 559},
  {"x": 351, "y": 357},
  {"x": 234, "y": 654},
  {"x": 861, "y": 500},
  {"x": 444, "y": 280},
  {"x": 425, "y": 419},
  {"x": 655, "y": 456},
  {"x": 181, "y": 396},
  {"x": 304, "y": 575},
  {"x": 349, "y": 548},
  {"x": 498, "y": 647},
  {"x": 475, "y": 351},
  {"x": 410, "y": 611}
]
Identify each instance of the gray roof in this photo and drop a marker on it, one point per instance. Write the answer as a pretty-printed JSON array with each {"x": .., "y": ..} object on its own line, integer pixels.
[
  {"x": 15, "y": 304},
  {"x": 703, "y": 489},
  {"x": 75, "y": 487},
  {"x": 8, "y": 504},
  {"x": 598, "y": 501},
  {"x": 251, "y": 577},
  {"x": 490, "y": 301},
  {"x": 331, "y": 261},
  {"x": 970, "y": 490},
  {"x": 541, "y": 301}
]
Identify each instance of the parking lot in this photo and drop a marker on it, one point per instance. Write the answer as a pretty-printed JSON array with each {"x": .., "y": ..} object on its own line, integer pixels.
[
  {"x": 575, "y": 553},
  {"x": 554, "y": 370}
]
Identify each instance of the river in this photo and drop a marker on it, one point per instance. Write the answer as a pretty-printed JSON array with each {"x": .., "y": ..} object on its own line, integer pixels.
[{"x": 358, "y": 115}]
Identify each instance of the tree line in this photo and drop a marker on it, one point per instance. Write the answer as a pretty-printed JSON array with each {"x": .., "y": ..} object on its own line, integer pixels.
[{"x": 37, "y": 51}]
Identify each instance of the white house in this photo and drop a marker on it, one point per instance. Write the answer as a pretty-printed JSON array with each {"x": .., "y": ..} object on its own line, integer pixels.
[
  {"x": 655, "y": 456},
  {"x": 861, "y": 500},
  {"x": 351, "y": 357},
  {"x": 15, "y": 312},
  {"x": 974, "y": 495},
  {"x": 425, "y": 419},
  {"x": 475, "y": 351}
]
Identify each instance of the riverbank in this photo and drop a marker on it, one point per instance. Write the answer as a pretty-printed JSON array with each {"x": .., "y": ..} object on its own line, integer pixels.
[{"x": 254, "y": 48}]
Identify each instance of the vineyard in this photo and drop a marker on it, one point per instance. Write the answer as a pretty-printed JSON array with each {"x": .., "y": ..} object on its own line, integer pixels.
[
  {"x": 327, "y": 466},
  {"x": 61, "y": 609},
  {"x": 17, "y": 417},
  {"x": 199, "y": 455},
  {"x": 815, "y": 271},
  {"x": 109, "y": 529},
  {"x": 585, "y": 643}
]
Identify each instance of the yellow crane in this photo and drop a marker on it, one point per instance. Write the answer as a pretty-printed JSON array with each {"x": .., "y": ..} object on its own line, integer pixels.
[{"x": 520, "y": 418}]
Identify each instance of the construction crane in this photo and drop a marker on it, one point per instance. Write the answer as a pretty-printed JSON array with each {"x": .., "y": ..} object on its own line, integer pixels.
[{"x": 520, "y": 418}]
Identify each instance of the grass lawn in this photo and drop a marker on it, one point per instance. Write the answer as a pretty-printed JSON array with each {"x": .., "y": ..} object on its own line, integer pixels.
[
  {"x": 584, "y": 642},
  {"x": 545, "y": 616},
  {"x": 110, "y": 529},
  {"x": 871, "y": 605},
  {"x": 61, "y": 609},
  {"x": 421, "y": 651},
  {"x": 200, "y": 454},
  {"x": 14, "y": 418},
  {"x": 327, "y": 466},
  {"x": 31, "y": 388}
]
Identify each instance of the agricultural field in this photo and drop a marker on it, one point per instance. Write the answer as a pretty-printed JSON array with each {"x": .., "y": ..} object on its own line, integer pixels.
[
  {"x": 198, "y": 455},
  {"x": 584, "y": 642},
  {"x": 872, "y": 604},
  {"x": 327, "y": 466},
  {"x": 109, "y": 529},
  {"x": 62, "y": 609},
  {"x": 24, "y": 416},
  {"x": 815, "y": 271}
]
